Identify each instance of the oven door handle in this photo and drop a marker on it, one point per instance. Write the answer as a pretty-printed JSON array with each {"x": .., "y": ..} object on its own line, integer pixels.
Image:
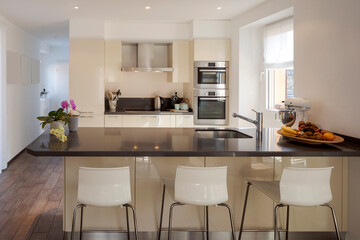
[
  {"x": 212, "y": 70},
  {"x": 213, "y": 99}
]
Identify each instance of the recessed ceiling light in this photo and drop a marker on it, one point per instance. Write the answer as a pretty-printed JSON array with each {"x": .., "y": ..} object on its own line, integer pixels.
[
  {"x": 219, "y": 8},
  {"x": 147, "y": 7},
  {"x": 76, "y": 7}
]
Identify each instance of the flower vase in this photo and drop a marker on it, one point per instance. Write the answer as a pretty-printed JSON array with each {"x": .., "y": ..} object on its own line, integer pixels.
[
  {"x": 56, "y": 124},
  {"x": 74, "y": 123}
]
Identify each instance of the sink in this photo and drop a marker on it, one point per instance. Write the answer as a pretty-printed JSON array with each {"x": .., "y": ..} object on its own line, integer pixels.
[{"x": 220, "y": 133}]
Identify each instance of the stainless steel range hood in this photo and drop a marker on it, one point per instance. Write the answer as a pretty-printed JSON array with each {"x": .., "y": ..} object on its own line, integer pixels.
[{"x": 146, "y": 60}]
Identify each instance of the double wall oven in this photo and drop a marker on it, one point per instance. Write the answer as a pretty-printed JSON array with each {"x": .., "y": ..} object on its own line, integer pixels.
[{"x": 211, "y": 94}]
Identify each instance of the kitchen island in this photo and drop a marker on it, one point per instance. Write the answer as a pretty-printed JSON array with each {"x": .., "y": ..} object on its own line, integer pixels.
[{"x": 154, "y": 153}]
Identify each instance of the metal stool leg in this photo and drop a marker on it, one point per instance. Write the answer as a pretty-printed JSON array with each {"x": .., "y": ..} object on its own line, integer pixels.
[
  {"x": 287, "y": 221},
  {"x": 134, "y": 217},
  {"x": 170, "y": 217},
  {"x": 243, "y": 215},
  {"x": 74, "y": 219},
  {"x": 127, "y": 222},
  {"x": 275, "y": 218},
  {"x": 81, "y": 221},
  {"x": 207, "y": 222},
  {"x": 334, "y": 218},
  {"x": 231, "y": 219},
  {"x": 161, "y": 213}
]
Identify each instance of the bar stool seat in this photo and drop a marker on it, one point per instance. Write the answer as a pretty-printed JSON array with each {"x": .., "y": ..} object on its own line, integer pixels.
[
  {"x": 104, "y": 187},
  {"x": 200, "y": 186},
  {"x": 303, "y": 187}
]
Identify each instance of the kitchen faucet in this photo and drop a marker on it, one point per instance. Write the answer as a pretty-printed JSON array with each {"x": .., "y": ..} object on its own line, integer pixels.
[{"x": 258, "y": 122}]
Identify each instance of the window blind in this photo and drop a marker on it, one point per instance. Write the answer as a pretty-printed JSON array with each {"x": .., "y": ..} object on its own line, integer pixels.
[{"x": 279, "y": 45}]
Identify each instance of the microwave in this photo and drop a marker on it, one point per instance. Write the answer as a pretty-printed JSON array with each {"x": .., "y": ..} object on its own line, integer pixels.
[{"x": 210, "y": 75}]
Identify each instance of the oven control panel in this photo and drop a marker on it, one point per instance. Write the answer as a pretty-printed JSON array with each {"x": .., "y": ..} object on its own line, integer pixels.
[{"x": 211, "y": 92}]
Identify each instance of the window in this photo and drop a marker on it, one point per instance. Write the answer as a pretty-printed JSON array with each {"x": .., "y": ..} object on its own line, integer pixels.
[{"x": 279, "y": 62}]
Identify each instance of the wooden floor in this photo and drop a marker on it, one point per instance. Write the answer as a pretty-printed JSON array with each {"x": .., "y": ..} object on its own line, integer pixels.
[{"x": 31, "y": 198}]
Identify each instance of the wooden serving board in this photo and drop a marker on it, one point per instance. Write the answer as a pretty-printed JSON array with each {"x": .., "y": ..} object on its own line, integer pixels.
[
  {"x": 174, "y": 110},
  {"x": 337, "y": 139}
]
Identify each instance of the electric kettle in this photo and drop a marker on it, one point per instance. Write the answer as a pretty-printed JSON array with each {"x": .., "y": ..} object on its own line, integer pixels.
[{"x": 158, "y": 102}]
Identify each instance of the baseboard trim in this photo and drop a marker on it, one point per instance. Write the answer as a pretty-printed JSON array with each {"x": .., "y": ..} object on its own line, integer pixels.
[{"x": 197, "y": 235}]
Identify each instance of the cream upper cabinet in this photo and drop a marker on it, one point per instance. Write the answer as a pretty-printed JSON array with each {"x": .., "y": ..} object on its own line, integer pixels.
[
  {"x": 86, "y": 74},
  {"x": 179, "y": 57},
  {"x": 212, "y": 50},
  {"x": 113, "y": 61}
]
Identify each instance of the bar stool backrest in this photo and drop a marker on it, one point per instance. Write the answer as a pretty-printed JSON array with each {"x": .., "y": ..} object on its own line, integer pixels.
[
  {"x": 305, "y": 186},
  {"x": 201, "y": 185},
  {"x": 104, "y": 187}
]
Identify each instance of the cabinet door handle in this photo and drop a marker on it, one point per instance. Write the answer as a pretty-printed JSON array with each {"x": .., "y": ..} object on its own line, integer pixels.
[
  {"x": 86, "y": 112},
  {"x": 149, "y": 116},
  {"x": 86, "y": 116},
  {"x": 112, "y": 116}
]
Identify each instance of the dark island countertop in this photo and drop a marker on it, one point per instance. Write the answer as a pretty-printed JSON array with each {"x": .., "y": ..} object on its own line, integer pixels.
[{"x": 179, "y": 142}]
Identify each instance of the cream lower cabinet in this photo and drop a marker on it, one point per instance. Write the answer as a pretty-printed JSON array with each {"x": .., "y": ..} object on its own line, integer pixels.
[
  {"x": 148, "y": 121},
  {"x": 184, "y": 121},
  {"x": 91, "y": 120},
  {"x": 113, "y": 120}
]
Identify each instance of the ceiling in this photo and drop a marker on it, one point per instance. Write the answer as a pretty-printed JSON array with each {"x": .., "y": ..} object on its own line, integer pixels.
[{"x": 48, "y": 19}]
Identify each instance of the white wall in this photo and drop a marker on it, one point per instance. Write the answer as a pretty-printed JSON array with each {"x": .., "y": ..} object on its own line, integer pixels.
[
  {"x": 211, "y": 29},
  {"x": 23, "y": 102},
  {"x": 327, "y": 60},
  {"x": 54, "y": 76},
  {"x": 135, "y": 31},
  {"x": 246, "y": 88}
]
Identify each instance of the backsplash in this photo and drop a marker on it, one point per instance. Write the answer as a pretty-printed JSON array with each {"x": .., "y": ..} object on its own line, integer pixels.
[
  {"x": 138, "y": 103},
  {"x": 145, "y": 85}
]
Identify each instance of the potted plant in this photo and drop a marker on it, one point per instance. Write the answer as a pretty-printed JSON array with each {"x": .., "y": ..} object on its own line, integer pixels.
[
  {"x": 54, "y": 118},
  {"x": 73, "y": 114}
]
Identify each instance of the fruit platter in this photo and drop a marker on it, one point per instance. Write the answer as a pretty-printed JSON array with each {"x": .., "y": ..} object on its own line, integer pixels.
[{"x": 309, "y": 133}]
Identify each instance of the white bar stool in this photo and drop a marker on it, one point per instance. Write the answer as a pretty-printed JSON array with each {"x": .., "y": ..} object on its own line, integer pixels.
[
  {"x": 201, "y": 186},
  {"x": 304, "y": 187},
  {"x": 104, "y": 187}
]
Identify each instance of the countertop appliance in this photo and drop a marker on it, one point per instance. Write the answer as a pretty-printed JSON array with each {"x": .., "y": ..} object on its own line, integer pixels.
[
  {"x": 211, "y": 75},
  {"x": 300, "y": 106},
  {"x": 211, "y": 106},
  {"x": 158, "y": 103}
]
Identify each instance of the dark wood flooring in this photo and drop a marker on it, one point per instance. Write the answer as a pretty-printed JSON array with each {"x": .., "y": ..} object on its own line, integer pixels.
[{"x": 31, "y": 198}]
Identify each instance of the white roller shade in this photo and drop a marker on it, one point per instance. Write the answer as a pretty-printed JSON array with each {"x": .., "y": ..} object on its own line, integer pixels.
[{"x": 279, "y": 45}]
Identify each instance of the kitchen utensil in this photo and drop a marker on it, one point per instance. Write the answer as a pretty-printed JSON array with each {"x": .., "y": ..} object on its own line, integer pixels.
[
  {"x": 109, "y": 95},
  {"x": 287, "y": 117}
]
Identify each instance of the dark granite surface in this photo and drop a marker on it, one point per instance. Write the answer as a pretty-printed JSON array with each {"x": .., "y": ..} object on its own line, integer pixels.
[
  {"x": 146, "y": 104},
  {"x": 179, "y": 142},
  {"x": 146, "y": 112}
]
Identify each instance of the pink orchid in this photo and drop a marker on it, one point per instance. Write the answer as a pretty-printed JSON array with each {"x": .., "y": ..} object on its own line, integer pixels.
[
  {"x": 73, "y": 106},
  {"x": 65, "y": 104}
]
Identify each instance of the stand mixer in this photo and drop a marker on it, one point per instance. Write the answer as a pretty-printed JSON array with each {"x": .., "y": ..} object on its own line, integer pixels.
[{"x": 295, "y": 111}]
